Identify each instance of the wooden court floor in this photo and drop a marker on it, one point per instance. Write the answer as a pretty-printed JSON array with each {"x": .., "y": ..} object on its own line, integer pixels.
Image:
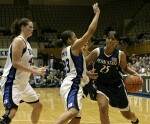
[{"x": 53, "y": 107}]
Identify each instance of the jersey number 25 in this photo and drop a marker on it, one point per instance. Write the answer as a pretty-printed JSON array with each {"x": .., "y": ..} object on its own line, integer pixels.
[{"x": 104, "y": 69}]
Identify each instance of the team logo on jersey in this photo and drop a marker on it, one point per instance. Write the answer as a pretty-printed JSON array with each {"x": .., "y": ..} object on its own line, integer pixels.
[
  {"x": 5, "y": 101},
  {"x": 70, "y": 105}
]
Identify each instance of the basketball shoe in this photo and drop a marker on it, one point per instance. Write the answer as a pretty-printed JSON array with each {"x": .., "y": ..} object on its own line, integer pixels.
[{"x": 137, "y": 121}]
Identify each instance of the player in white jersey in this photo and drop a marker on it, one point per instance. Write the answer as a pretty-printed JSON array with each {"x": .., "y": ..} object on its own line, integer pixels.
[
  {"x": 75, "y": 67},
  {"x": 17, "y": 70}
]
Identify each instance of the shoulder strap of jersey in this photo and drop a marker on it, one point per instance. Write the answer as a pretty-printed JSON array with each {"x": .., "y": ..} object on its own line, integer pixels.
[
  {"x": 98, "y": 51},
  {"x": 24, "y": 49},
  {"x": 119, "y": 56}
]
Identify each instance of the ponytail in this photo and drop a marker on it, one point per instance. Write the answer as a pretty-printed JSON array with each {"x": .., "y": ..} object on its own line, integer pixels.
[
  {"x": 16, "y": 26},
  {"x": 59, "y": 43}
]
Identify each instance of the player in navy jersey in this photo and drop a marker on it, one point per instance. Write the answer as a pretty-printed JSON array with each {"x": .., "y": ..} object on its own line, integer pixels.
[
  {"x": 109, "y": 64},
  {"x": 17, "y": 70},
  {"x": 76, "y": 73}
]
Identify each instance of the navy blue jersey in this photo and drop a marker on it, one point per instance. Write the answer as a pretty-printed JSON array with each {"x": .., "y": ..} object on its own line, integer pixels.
[{"x": 108, "y": 67}]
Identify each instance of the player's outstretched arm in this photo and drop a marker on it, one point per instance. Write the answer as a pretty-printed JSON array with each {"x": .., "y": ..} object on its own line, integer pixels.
[{"x": 91, "y": 29}]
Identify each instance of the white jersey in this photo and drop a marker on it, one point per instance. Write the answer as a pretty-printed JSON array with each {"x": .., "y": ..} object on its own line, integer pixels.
[
  {"x": 14, "y": 76},
  {"x": 75, "y": 66},
  {"x": 71, "y": 87}
]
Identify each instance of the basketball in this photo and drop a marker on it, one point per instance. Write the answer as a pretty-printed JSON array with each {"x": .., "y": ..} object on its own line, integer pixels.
[{"x": 133, "y": 83}]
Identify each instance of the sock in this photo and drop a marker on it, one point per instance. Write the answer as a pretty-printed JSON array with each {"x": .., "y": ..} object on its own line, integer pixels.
[
  {"x": 5, "y": 120},
  {"x": 137, "y": 121}
]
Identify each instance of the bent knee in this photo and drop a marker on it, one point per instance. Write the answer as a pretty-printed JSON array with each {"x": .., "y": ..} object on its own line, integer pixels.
[
  {"x": 103, "y": 108},
  {"x": 37, "y": 105},
  {"x": 73, "y": 112}
]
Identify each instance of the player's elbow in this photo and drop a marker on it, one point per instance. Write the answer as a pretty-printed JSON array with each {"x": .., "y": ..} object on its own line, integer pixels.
[
  {"x": 15, "y": 64},
  {"x": 124, "y": 69}
]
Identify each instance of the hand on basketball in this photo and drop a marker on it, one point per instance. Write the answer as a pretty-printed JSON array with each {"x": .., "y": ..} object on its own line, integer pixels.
[
  {"x": 133, "y": 83},
  {"x": 141, "y": 80}
]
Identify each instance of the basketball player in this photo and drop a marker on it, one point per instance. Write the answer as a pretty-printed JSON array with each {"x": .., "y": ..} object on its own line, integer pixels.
[
  {"x": 75, "y": 67},
  {"x": 109, "y": 63},
  {"x": 17, "y": 70}
]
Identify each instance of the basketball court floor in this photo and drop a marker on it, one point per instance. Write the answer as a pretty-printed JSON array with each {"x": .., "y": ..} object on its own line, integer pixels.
[{"x": 53, "y": 107}]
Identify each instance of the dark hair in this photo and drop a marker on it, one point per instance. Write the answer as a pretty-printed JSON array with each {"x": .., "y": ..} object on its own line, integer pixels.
[
  {"x": 16, "y": 26},
  {"x": 64, "y": 37},
  {"x": 113, "y": 34},
  {"x": 59, "y": 43},
  {"x": 108, "y": 29}
]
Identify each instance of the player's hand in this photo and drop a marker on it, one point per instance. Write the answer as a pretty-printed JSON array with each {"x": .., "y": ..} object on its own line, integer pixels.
[
  {"x": 136, "y": 74},
  {"x": 34, "y": 67},
  {"x": 96, "y": 8},
  {"x": 91, "y": 74},
  {"x": 40, "y": 71}
]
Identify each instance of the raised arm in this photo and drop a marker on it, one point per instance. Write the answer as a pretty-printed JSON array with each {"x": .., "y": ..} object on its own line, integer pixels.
[{"x": 89, "y": 33}]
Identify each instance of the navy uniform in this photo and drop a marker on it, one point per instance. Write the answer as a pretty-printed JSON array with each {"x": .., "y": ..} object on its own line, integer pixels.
[
  {"x": 110, "y": 80},
  {"x": 76, "y": 78}
]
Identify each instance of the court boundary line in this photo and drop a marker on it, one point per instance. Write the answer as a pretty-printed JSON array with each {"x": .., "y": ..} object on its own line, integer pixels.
[{"x": 84, "y": 122}]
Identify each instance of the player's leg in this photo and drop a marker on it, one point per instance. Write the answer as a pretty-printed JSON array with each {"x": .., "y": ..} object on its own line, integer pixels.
[
  {"x": 32, "y": 99},
  {"x": 126, "y": 112},
  {"x": 65, "y": 117},
  {"x": 73, "y": 102},
  {"x": 103, "y": 98},
  {"x": 37, "y": 108},
  {"x": 8, "y": 116},
  {"x": 103, "y": 105},
  {"x": 123, "y": 104},
  {"x": 130, "y": 116},
  {"x": 11, "y": 100},
  {"x": 75, "y": 120}
]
